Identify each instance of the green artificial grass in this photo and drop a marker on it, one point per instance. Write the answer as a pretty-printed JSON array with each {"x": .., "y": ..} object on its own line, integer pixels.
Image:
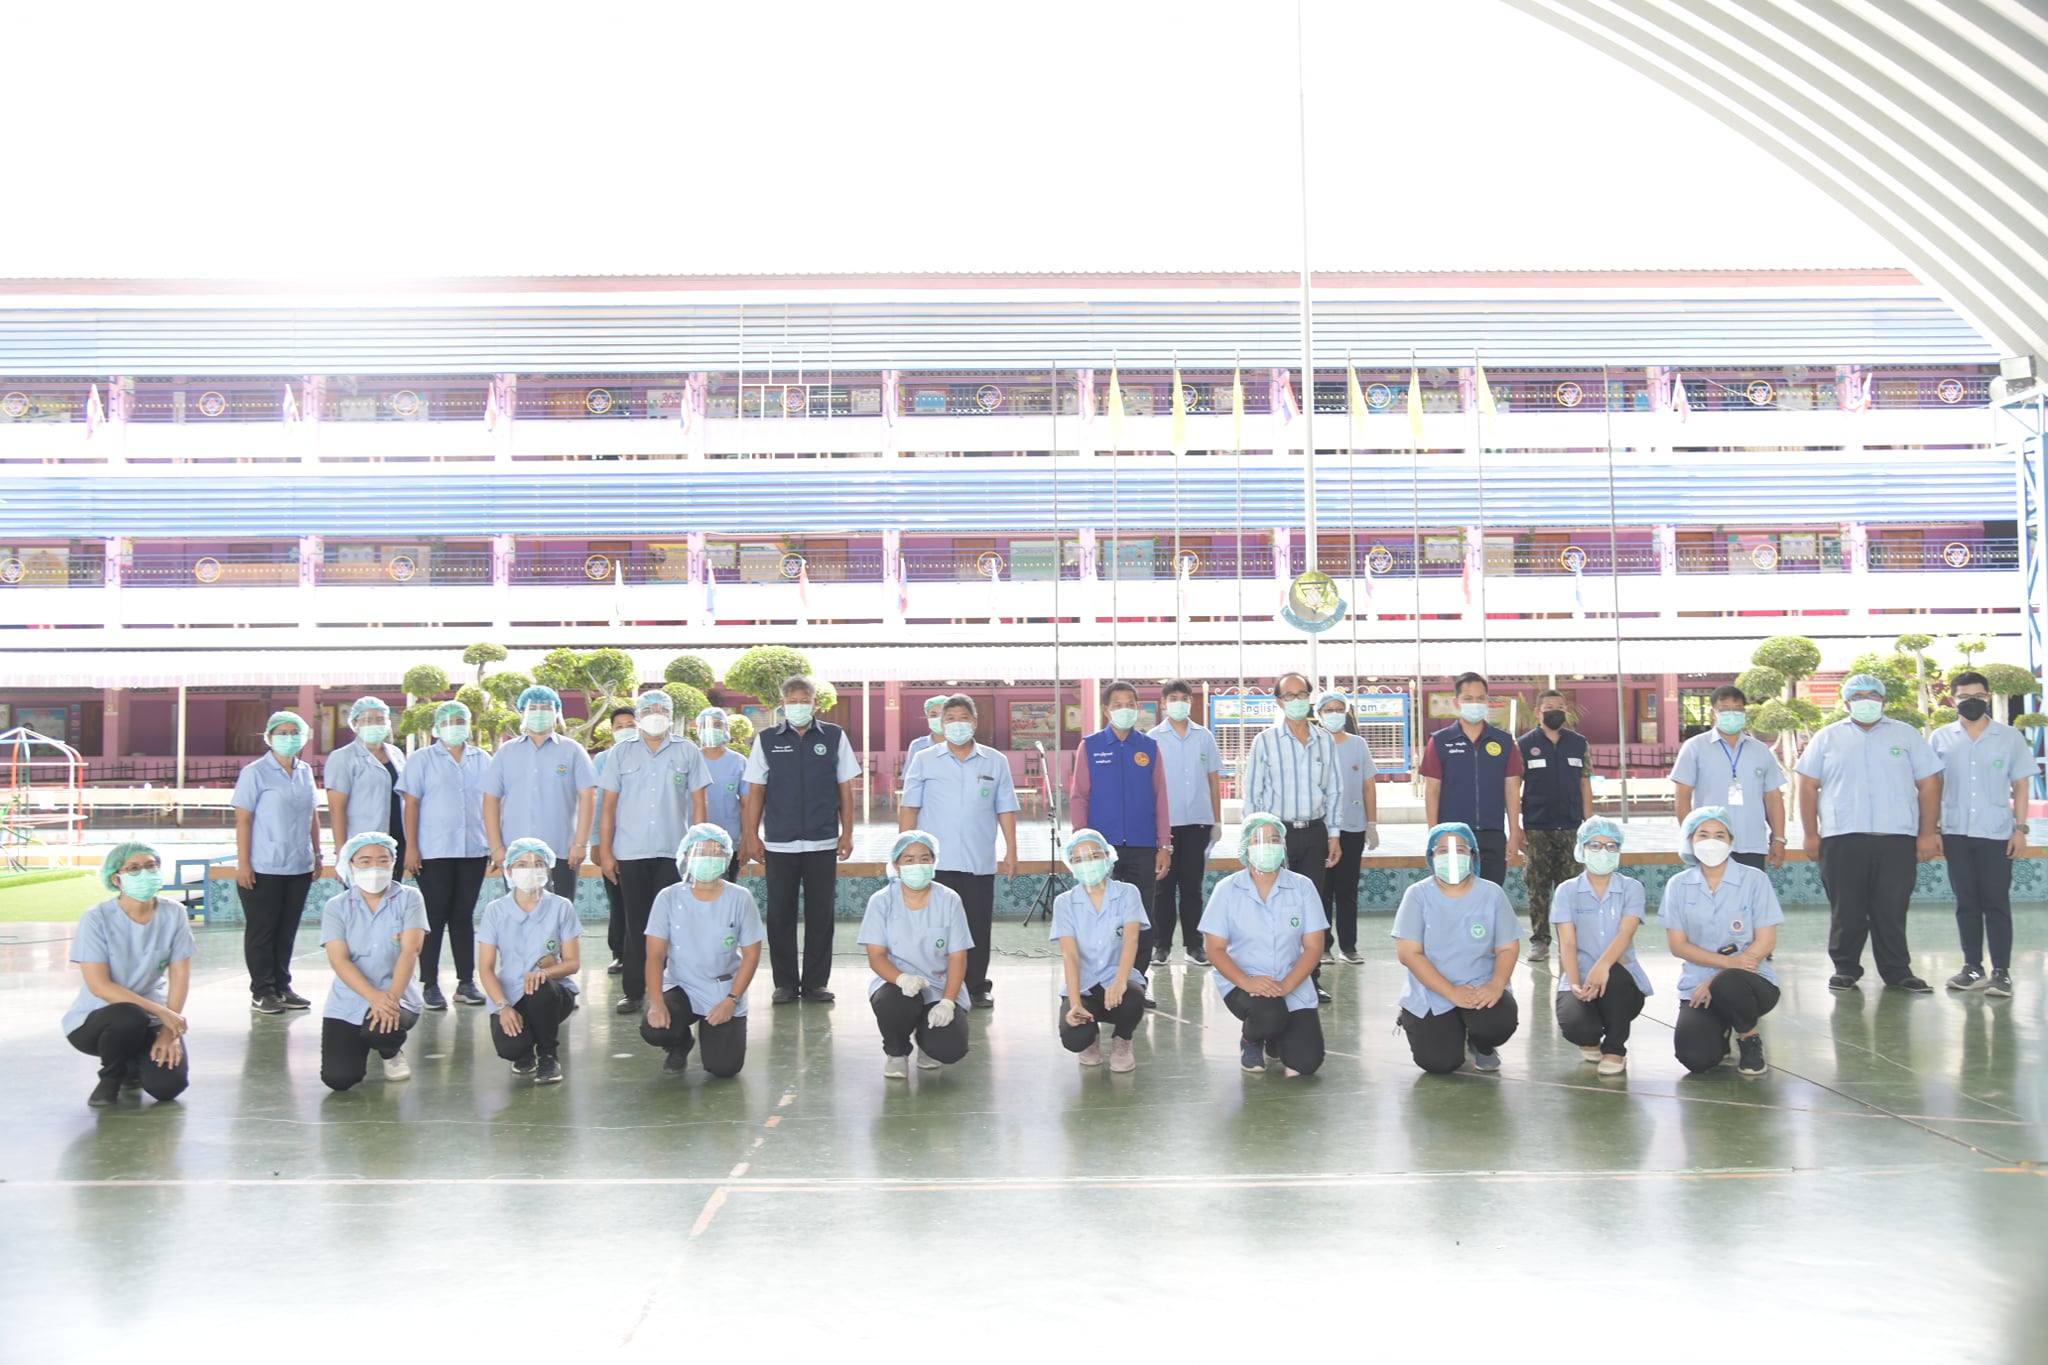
[{"x": 56, "y": 896}]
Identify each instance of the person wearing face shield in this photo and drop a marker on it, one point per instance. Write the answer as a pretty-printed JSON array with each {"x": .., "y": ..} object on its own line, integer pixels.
[
  {"x": 530, "y": 948},
  {"x": 277, "y": 851},
  {"x": 372, "y": 932},
  {"x": 726, "y": 797},
  {"x": 1870, "y": 803},
  {"x": 1473, "y": 773},
  {"x": 1264, "y": 931},
  {"x": 917, "y": 940},
  {"x": 1118, "y": 786},
  {"x": 1987, "y": 770},
  {"x": 542, "y": 786},
  {"x": 1098, "y": 925},
  {"x": 703, "y": 948},
  {"x": 1725, "y": 767},
  {"x": 1357, "y": 824},
  {"x": 1194, "y": 803},
  {"x": 362, "y": 779},
  {"x": 1458, "y": 937},
  {"x": 1557, "y": 793},
  {"x": 445, "y": 848},
  {"x": 1600, "y": 985},
  {"x": 624, "y": 720},
  {"x": 963, "y": 792},
  {"x": 134, "y": 952},
  {"x": 1721, "y": 920},
  {"x": 653, "y": 793}
]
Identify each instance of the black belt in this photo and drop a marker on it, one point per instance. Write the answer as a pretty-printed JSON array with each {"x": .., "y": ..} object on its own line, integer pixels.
[{"x": 1302, "y": 824}]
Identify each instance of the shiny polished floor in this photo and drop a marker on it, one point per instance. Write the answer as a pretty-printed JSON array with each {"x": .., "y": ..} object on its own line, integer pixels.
[{"x": 1884, "y": 1189}]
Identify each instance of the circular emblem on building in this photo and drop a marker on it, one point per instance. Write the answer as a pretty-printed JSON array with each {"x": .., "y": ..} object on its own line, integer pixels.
[
  {"x": 1572, "y": 559},
  {"x": 1378, "y": 396},
  {"x": 1187, "y": 564},
  {"x": 597, "y": 568},
  {"x": 206, "y": 570},
  {"x": 212, "y": 403},
  {"x": 988, "y": 397},
  {"x": 988, "y": 564},
  {"x": 598, "y": 401},
  {"x": 402, "y": 568},
  {"x": 1379, "y": 559},
  {"x": 1949, "y": 390},
  {"x": 1760, "y": 393},
  {"x": 1955, "y": 554},
  {"x": 1764, "y": 556},
  {"x": 12, "y": 569},
  {"x": 791, "y": 566},
  {"x": 1569, "y": 395},
  {"x": 14, "y": 404},
  {"x": 405, "y": 402},
  {"x": 795, "y": 399}
]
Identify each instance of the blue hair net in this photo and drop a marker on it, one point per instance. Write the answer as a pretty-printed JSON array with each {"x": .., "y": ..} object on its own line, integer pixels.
[
  {"x": 697, "y": 835},
  {"x": 913, "y": 836},
  {"x": 362, "y": 705},
  {"x": 450, "y": 710},
  {"x": 716, "y": 713},
  {"x": 1080, "y": 837},
  {"x": 660, "y": 701},
  {"x": 1449, "y": 829},
  {"x": 1863, "y": 682},
  {"x": 1596, "y": 827},
  {"x": 121, "y": 853},
  {"x": 1252, "y": 822},
  {"x": 278, "y": 718},
  {"x": 538, "y": 695},
  {"x": 937, "y": 703},
  {"x": 362, "y": 841},
  {"x": 1330, "y": 694},
  {"x": 521, "y": 847},
  {"x": 1697, "y": 816}
]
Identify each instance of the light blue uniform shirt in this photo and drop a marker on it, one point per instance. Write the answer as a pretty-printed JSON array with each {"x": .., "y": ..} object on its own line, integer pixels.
[
  {"x": 653, "y": 810},
  {"x": 281, "y": 806},
  {"x": 958, "y": 801},
  {"x": 1099, "y": 934},
  {"x": 1191, "y": 760},
  {"x": 704, "y": 941},
  {"x": 1597, "y": 919},
  {"x": 1716, "y": 770},
  {"x": 524, "y": 937},
  {"x": 1459, "y": 935},
  {"x": 1867, "y": 776},
  {"x": 728, "y": 789},
  {"x": 1731, "y": 914},
  {"x": 361, "y": 776},
  {"x": 137, "y": 955},
  {"x": 917, "y": 941},
  {"x": 1264, "y": 937},
  {"x": 373, "y": 945},
  {"x": 1292, "y": 780},
  {"x": 451, "y": 797},
  {"x": 917, "y": 746},
  {"x": 537, "y": 786},
  {"x": 1977, "y": 777},
  {"x": 1355, "y": 768}
]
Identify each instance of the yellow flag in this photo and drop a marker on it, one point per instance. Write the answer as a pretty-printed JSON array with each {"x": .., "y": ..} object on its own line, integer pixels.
[
  {"x": 1486, "y": 406},
  {"x": 1357, "y": 397},
  {"x": 1116, "y": 412},
  {"x": 1415, "y": 406},
  {"x": 1237, "y": 409},
  {"x": 1177, "y": 441}
]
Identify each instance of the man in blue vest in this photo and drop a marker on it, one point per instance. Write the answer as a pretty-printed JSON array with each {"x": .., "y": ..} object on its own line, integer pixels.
[
  {"x": 1119, "y": 788},
  {"x": 1474, "y": 773},
  {"x": 799, "y": 814}
]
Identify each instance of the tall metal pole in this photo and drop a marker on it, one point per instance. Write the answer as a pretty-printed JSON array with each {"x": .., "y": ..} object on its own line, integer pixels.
[
  {"x": 1308, "y": 345},
  {"x": 1614, "y": 578}
]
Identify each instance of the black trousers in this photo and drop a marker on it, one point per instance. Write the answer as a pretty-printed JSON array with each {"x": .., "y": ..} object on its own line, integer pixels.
[
  {"x": 906, "y": 1018},
  {"x": 1297, "y": 1035},
  {"x": 1307, "y": 849},
  {"x": 345, "y": 1048},
  {"x": 1760, "y": 861},
  {"x": 1981, "y": 876},
  {"x": 978, "y": 894},
  {"x": 1340, "y": 888},
  {"x": 817, "y": 876},
  {"x": 1123, "y": 1020},
  {"x": 1603, "y": 1023},
  {"x": 1438, "y": 1041},
  {"x": 615, "y": 921},
  {"x": 1139, "y": 865},
  {"x": 562, "y": 878},
  {"x": 1869, "y": 881},
  {"x": 271, "y": 911},
  {"x": 640, "y": 881},
  {"x": 120, "y": 1036},
  {"x": 1738, "y": 1000},
  {"x": 541, "y": 1012},
  {"x": 450, "y": 887},
  {"x": 1179, "y": 897},
  {"x": 1493, "y": 855},
  {"x": 725, "y": 1045}
]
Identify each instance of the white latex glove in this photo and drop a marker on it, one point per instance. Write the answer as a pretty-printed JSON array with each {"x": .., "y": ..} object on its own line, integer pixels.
[
  {"x": 1372, "y": 836},
  {"x": 911, "y": 985},
  {"x": 941, "y": 1014}
]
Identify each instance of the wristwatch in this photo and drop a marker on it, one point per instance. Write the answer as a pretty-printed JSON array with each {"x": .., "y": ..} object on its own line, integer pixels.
[{"x": 1777, "y": 838}]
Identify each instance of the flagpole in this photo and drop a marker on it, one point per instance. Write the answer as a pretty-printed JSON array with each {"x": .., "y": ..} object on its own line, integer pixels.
[
  {"x": 1059, "y": 556},
  {"x": 1116, "y": 440},
  {"x": 1415, "y": 544},
  {"x": 1179, "y": 592},
  {"x": 1351, "y": 438},
  {"x": 1479, "y": 468},
  {"x": 1308, "y": 364},
  {"x": 1614, "y": 578},
  {"x": 1237, "y": 406}
]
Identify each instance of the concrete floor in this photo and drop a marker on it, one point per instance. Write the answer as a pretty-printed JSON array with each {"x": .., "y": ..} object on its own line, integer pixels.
[{"x": 1874, "y": 1192}]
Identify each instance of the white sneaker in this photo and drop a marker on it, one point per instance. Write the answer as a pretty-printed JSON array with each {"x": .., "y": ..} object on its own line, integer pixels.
[
  {"x": 1591, "y": 1054},
  {"x": 1121, "y": 1058},
  {"x": 396, "y": 1068},
  {"x": 925, "y": 1063},
  {"x": 1613, "y": 1066},
  {"x": 1090, "y": 1055},
  {"x": 896, "y": 1068}
]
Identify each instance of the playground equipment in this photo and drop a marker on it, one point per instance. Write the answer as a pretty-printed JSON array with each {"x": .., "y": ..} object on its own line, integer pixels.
[{"x": 42, "y": 803}]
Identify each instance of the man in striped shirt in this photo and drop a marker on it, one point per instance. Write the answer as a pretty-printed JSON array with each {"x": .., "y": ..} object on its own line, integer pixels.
[{"x": 1291, "y": 773}]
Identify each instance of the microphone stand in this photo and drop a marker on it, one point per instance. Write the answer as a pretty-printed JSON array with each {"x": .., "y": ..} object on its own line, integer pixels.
[{"x": 1054, "y": 884}]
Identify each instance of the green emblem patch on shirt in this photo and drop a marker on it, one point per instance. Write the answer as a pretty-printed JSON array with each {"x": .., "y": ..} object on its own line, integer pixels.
[
  {"x": 939, "y": 944},
  {"x": 730, "y": 940},
  {"x": 1479, "y": 931}
]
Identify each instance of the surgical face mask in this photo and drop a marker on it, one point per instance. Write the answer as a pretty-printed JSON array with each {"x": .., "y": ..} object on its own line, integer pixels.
[
  {"x": 654, "y": 723},
  {"x": 1712, "y": 852},
  {"x": 1332, "y": 720},
  {"x": 707, "y": 867},
  {"x": 527, "y": 878},
  {"x": 538, "y": 721},
  {"x": 711, "y": 737},
  {"x": 373, "y": 734},
  {"x": 371, "y": 879},
  {"x": 937, "y": 721},
  {"x": 1451, "y": 865},
  {"x": 917, "y": 876},
  {"x": 1974, "y": 708},
  {"x": 1731, "y": 722},
  {"x": 1295, "y": 708},
  {"x": 452, "y": 735},
  {"x": 1091, "y": 871},
  {"x": 1602, "y": 861},
  {"x": 1123, "y": 718},
  {"x": 287, "y": 744},
  {"x": 797, "y": 713},
  {"x": 1179, "y": 710},
  {"x": 959, "y": 732},
  {"x": 1472, "y": 712},
  {"x": 1865, "y": 711},
  {"x": 1553, "y": 720},
  {"x": 1267, "y": 857},
  {"x": 142, "y": 886}
]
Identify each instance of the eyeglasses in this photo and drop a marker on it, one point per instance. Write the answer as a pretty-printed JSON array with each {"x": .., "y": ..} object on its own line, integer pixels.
[
  {"x": 1294, "y": 696},
  {"x": 1603, "y": 845}
]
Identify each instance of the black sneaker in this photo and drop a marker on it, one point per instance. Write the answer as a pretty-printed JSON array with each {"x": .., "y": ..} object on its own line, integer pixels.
[
  {"x": 1839, "y": 982},
  {"x": 1329, "y": 957},
  {"x": 1160, "y": 953},
  {"x": 523, "y": 1066},
  {"x": 2000, "y": 984},
  {"x": 1323, "y": 997},
  {"x": 981, "y": 1000},
  {"x": 1198, "y": 955},
  {"x": 1539, "y": 952},
  {"x": 1752, "y": 1063},
  {"x": 616, "y": 969},
  {"x": 628, "y": 1005},
  {"x": 821, "y": 996},
  {"x": 267, "y": 1003},
  {"x": 550, "y": 1070},
  {"x": 105, "y": 1093},
  {"x": 1970, "y": 978},
  {"x": 468, "y": 994},
  {"x": 675, "y": 1063},
  {"x": 1351, "y": 955},
  {"x": 431, "y": 997},
  {"x": 1912, "y": 984},
  {"x": 784, "y": 995},
  {"x": 293, "y": 1000},
  {"x": 1150, "y": 1002}
]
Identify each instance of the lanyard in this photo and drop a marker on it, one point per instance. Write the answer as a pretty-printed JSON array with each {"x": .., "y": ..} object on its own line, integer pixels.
[{"x": 1734, "y": 773}]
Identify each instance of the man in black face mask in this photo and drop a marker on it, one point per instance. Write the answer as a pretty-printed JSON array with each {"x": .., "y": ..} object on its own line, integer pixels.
[{"x": 1557, "y": 795}]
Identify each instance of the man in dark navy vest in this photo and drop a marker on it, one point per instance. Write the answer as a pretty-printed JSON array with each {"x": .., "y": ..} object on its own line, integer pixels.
[
  {"x": 798, "y": 816},
  {"x": 1118, "y": 788},
  {"x": 1557, "y": 796},
  {"x": 1475, "y": 778}
]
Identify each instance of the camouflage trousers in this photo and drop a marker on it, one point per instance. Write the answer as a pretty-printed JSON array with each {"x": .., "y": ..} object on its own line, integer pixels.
[{"x": 1553, "y": 860}]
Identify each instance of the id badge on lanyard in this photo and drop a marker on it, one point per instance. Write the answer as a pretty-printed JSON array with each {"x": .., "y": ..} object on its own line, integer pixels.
[{"x": 1734, "y": 779}]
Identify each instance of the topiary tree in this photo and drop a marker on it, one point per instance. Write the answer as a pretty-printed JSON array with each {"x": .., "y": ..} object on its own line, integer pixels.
[
  {"x": 740, "y": 732},
  {"x": 1759, "y": 684},
  {"x": 505, "y": 688},
  {"x": 760, "y": 672},
  {"x": 1794, "y": 657},
  {"x": 688, "y": 668},
  {"x": 2009, "y": 680},
  {"x": 689, "y": 701},
  {"x": 423, "y": 681},
  {"x": 1914, "y": 661},
  {"x": 483, "y": 654}
]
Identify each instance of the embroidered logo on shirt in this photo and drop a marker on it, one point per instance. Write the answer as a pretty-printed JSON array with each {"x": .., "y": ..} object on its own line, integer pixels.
[
  {"x": 939, "y": 944},
  {"x": 818, "y": 748},
  {"x": 1493, "y": 748},
  {"x": 561, "y": 770},
  {"x": 1142, "y": 759},
  {"x": 1998, "y": 763},
  {"x": 1735, "y": 926},
  {"x": 1759, "y": 772},
  {"x": 1895, "y": 751},
  {"x": 985, "y": 792},
  {"x": 732, "y": 786},
  {"x": 730, "y": 940},
  {"x": 1479, "y": 931},
  {"x": 1120, "y": 931},
  {"x": 554, "y": 945},
  {"x": 681, "y": 778},
  {"x": 164, "y": 963}
]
